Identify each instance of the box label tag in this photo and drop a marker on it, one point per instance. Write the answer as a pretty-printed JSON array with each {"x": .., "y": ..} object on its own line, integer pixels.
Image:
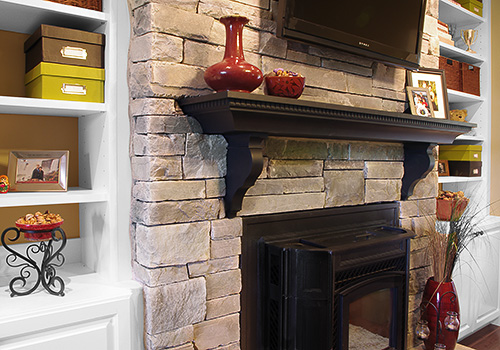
[
  {"x": 74, "y": 52},
  {"x": 74, "y": 89}
]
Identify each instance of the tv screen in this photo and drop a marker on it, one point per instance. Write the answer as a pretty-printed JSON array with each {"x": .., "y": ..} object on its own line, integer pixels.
[{"x": 388, "y": 30}]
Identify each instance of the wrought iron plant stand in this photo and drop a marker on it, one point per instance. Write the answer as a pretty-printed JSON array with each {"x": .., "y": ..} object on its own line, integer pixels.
[{"x": 45, "y": 270}]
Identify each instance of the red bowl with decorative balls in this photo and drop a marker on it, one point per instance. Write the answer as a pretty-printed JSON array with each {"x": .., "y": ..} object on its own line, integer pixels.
[
  {"x": 38, "y": 232},
  {"x": 284, "y": 86}
]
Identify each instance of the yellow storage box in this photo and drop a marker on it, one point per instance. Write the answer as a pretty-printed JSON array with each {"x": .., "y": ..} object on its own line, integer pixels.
[
  {"x": 473, "y": 6},
  {"x": 65, "y": 82},
  {"x": 460, "y": 152}
]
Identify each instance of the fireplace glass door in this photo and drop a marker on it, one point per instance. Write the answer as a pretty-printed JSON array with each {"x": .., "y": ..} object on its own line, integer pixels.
[
  {"x": 370, "y": 321},
  {"x": 370, "y": 314}
]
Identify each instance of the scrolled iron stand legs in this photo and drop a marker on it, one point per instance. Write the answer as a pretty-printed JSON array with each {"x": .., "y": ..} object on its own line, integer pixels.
[{"x": 45, "y": 273}]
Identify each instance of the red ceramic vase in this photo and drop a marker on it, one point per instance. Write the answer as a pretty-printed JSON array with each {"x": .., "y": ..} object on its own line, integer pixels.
[
  {"x": 440, "y": 298},
  {"x": 233, "y": 72}
]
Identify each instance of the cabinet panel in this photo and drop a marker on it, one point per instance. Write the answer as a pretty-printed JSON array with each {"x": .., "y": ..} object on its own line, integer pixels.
[{"x": 87, "y": 335}]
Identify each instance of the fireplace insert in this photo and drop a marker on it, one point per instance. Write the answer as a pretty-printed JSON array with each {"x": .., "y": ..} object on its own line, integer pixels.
[{"x": 325, "y": 279}]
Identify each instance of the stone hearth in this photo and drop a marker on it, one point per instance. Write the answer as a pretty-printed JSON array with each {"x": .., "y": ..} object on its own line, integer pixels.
[{"x": 185, "y": 250}]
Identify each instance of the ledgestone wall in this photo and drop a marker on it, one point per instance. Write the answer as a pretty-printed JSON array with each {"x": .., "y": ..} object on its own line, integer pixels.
[{"x": 185, "y": 252}]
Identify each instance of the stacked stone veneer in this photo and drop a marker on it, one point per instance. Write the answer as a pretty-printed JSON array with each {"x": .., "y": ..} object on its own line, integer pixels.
[{"x": 185, "y": 252}]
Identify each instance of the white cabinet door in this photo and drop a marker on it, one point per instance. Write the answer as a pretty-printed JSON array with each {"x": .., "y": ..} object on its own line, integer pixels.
[{"x": 477, "y": 282}]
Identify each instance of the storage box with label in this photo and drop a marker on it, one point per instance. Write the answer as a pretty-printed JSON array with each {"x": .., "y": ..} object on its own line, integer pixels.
[
  {"x": 465, "y": 168},
  {"x": 95, "y": 5},
  {"x": 460, "y": 152},
  {"x": 470, "y": 79},
  {"x": 65, "y": 82},
  {"x": 66, "y": 46},
  {"x": 474, "y": 6},
  {"x": 452, "y": 71}
]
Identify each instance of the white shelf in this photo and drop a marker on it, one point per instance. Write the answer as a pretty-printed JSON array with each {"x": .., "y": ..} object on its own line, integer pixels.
[
  {"x": 453, "y": 14},
  {"x": 458, "y": 179},
  {"x": 455, "y": 96},
  {"x": 38, "y": 106},
  {"x": 459, "y": 54},
  {"x": 73, "y": 195},
  {"x": 25, "y": 16}
]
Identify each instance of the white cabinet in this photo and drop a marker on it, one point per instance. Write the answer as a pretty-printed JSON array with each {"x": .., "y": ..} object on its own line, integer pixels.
[
  {"x": 100, "y": 304},
  {"x": 477, "y": 274}
]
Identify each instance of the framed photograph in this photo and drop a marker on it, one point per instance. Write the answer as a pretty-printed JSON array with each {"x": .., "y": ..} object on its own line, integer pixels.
[
  {"x": 443, "y": 168},
  {"x": 420, "y": 101},
  {"x": 38, "y": 170},
  {"x": 435, "y": 81}
]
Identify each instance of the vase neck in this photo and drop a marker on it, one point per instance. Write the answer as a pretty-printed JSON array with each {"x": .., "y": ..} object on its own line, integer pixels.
[{"x": 234, "y": 36}]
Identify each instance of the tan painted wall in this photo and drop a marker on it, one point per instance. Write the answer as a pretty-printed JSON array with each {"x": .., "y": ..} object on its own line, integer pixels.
[
  {"x": 18, "y": 132},
  {"x": 495, "y": 107}
]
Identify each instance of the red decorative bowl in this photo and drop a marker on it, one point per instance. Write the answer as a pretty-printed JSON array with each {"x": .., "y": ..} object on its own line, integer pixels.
[
  {"x": 284, "y": 86},
  {"x": 450, "y": 210},
  {"x": 38, "y": 232}
]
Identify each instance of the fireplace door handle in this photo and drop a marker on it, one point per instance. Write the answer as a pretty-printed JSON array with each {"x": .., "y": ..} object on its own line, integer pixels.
[{"x": 364, "y": 236}]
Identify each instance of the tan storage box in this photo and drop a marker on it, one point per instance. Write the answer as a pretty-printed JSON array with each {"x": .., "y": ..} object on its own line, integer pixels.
[{"x": 66, "y": 46}]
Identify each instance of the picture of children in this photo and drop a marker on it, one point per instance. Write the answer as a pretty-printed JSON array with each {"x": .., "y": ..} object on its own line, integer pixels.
[
  {"x": 420, "y": 102},
  {"x": 431, "y": 85}
]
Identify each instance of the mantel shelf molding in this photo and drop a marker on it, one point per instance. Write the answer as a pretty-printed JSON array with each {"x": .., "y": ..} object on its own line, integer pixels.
[{"x": 246, "y": 120}]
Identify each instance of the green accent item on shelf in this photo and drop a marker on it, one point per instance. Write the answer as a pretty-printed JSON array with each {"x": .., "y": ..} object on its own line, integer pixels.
[
  {"x": 65, "y": 82},
  {"x": 474, "y": 6},
  {"x": 460, "y": 152}
]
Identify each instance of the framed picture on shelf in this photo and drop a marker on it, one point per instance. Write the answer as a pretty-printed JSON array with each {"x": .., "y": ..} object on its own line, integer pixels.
[
  {"x": 420, "y": 101},
  {"x": 443, "y": 168},
  {"x": 435, "y": 81},
  {"x": 38, "y": 170}
]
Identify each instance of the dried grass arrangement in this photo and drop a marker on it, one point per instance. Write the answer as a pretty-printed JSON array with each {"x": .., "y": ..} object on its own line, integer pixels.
[{"x": 448, "y": 239}]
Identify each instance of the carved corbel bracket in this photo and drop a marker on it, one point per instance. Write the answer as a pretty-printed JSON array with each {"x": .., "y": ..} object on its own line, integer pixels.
[
  {"x": 244, "y": 165},
  {"x": 418, "y": 162}
]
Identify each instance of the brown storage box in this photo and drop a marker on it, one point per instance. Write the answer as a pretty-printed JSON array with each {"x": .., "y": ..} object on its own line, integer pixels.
[
  {"x": 470, "y": 79},
  {"x": 65, "y": 46},
  {"x": 465, "y": 168},
  {"x": 88, "y": 4},
  {"x": 452, "y": 71}
]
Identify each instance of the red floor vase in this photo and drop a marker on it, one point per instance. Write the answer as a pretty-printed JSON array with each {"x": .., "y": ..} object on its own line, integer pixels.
[
  {"x": 439, "y": 301},
  {"x": 233, "y": 72}
]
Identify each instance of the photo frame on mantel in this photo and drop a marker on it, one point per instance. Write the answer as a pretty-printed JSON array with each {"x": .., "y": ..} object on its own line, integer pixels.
[
  {"x": 435, "y": 81},
  {"x": 419, "y": 99}
]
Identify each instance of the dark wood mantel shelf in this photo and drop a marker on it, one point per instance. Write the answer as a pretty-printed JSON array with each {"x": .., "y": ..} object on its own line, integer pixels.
[{"x": 246, "y": 120}]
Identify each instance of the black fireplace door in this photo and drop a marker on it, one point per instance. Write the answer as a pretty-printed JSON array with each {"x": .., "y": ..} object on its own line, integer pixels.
[{"x": 370, "y": 313}]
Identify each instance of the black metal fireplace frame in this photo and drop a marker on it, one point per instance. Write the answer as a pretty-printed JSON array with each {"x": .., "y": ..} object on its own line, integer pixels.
[{"x": 282, "y": 227}]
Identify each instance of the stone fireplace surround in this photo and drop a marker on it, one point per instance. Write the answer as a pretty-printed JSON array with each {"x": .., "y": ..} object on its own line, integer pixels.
[{"x": 185, "y": 249}]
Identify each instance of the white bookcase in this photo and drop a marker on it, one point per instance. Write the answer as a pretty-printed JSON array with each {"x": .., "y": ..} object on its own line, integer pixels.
[
  {"x": 477, "y": 278},
  {"x": 99, "y": 309},
  {"x": 478, "y": 107}
]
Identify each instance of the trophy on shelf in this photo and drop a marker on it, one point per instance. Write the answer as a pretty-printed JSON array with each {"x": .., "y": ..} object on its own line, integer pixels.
[{"x": 469, "y": 36}]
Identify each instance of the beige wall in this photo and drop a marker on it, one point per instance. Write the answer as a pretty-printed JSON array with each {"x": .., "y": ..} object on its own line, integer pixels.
[
  {"x": 20, "y": 132},
  {"x": 495, "y": 106}
]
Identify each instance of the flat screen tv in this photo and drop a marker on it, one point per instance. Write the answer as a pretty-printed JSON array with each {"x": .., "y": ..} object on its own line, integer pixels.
[{"x": 386, "y": 30}]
